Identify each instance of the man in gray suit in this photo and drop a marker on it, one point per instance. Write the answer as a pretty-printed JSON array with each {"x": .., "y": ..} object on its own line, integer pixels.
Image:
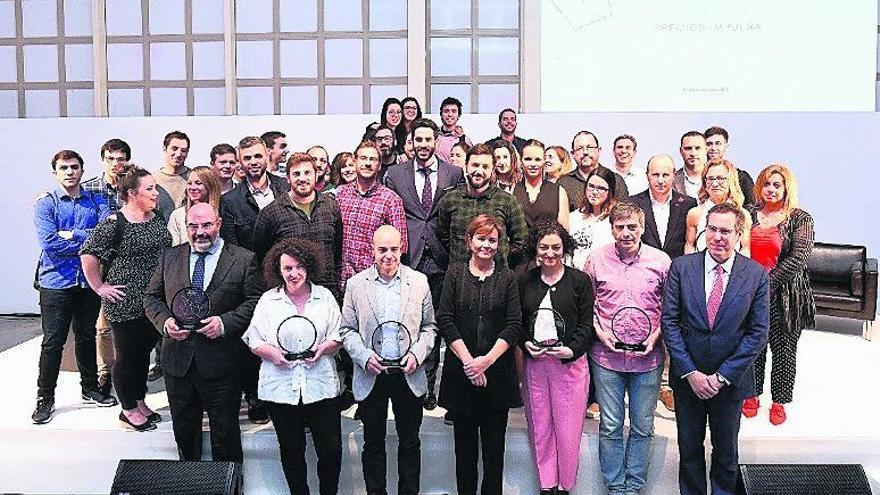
[
  {"x": 421, "y": 183},
  {"x": 389, "y": 291}
]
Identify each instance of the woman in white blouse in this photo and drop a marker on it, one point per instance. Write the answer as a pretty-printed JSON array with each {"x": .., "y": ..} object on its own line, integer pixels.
[
  {"x": 302, "y": 393},
  {"x": 589, "y": 225}
]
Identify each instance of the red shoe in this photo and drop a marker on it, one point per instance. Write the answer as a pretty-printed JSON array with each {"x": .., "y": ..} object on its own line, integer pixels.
[
  {"x": 750, "y": 407},
  {"x": 777, "y": 414}
]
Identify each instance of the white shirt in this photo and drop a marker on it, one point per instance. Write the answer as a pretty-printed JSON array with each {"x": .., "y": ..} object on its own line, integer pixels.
[
  {"x": 710, "y": 265},
  {"x": 588, "y": 235},
  {"x": 691, "y": 188},
  {"x": 210, "y": 261},
  {"x": 661, "y": 215},
  {"x": 301, "y": 382},
  {"x": 636, "y": 180},
  {"x": 545, "y": 323},
  {"x": 264, "y": 197},
  {"x": 420, "y": 177}
]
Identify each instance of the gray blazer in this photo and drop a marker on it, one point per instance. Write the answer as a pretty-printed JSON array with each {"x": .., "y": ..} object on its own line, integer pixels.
[{"x": 361, "y": 315}]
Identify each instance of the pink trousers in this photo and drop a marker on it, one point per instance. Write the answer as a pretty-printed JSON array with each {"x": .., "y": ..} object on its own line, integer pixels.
[{"x": 555, "y": 396}]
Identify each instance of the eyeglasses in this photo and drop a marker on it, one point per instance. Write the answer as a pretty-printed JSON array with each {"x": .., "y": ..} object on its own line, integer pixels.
[
  {"x": 594, "y": 187},
  {"x": 720, "y": 180},
  {"x": 585, "y": 149},
  {"x": 719, "y": 230},
  {"x": 196, "y": 226},
  {"x": 384, "y": 138}
]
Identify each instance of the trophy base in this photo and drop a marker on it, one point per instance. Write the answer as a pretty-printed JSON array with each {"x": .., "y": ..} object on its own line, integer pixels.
[
  {"x": 392, "y": 366},
  {"x": 630, "y": 347},
  {"x": 296, "y": 356},
  {"x": 190, "y": 327},
  {"x": 547, "y": 344}
]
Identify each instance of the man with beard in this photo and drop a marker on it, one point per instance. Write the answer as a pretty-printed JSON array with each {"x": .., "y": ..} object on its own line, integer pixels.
[
  {"x": 322, "y": 167},
  {"x": 201, "y": 366},
  {"x": 585, "y": 151},
  {"x": 306, "y": 214},
  {"x": 239, "y": 208},
  {"x": 507, "y": 124},
  {"x": 173, "y": 174},
  {"x": 223, "y": 162},
  {"x": 421, "y": 183},
  {"x": 478, "y": 195},
  {"x": 688, "y": 179},
  {"x": 450, "y": 133},
  {"x": 276, "y": 146},
  {"x": 384, "y": 138},
  {"x": 366, "y": 205}
]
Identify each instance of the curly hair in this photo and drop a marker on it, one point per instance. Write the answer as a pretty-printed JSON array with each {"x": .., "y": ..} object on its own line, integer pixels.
[
  {"x": 550, "y": 227},
  {"x": 307, "y": 253}
]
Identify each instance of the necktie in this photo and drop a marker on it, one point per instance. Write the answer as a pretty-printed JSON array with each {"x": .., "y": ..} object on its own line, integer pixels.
[
  {"x": 427, "y": 190},
  {"x": 716, "y": 295},
  {"x": 198, "y": 278}
]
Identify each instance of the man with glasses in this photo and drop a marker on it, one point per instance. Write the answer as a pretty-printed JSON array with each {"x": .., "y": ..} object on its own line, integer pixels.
[
  {"x": 713, "y": 340},
  {"x": 585, "y": 150},
  {"x": 276, "y": 146},
  {"x": 366, "y": 205},
  {"x": 386, "y": 143},
  {"x": 688, "y": 179},
  {"x": 450, "y": 132},
  {"x": 202, "y": 366}
]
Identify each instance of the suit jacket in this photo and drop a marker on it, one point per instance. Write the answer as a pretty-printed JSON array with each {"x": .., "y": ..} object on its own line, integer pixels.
[
  {"x": 741, "y": 327},
  {"x": 361, "y": 315},
  {"x": 233, "y": 291},
  {"x": 239, "y": 210},
  {"x": 676, "y": 228},
  {"x": 421, "y": 227}
]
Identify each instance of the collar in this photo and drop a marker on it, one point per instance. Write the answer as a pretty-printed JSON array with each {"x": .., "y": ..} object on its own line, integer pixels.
[
  {"x": 368, "y": 192},
  {"x": 632, "y": 259},
  {"x": 278, "y": 294},
  {"x": 444, "y": 132},
  {"x": 431, "y": 164},
  {"x": 487, "y": 193},
  {"x": 375, "y": 277},
  {"x": 711, "y": 263},
  {"x": 60, "y": 192},
  {"x": 254, "y": 190},
  {"x": 658, "y": 203},
  {"x": 216, "y": 246}
]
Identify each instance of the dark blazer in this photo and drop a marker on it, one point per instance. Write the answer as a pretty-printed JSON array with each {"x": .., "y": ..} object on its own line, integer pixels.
[
  {"x": 421, "y": 227},
  {"x": 676, "y": 228},
  {"x": 741, "y": 327},
  {"x": 239, "y": 210},
  {"x": 234, "y": 290}
]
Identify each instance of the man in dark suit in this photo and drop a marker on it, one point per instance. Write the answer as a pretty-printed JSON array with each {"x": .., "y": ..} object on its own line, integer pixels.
[
  {"x": 240, "y": 206},
  {"x": 715, "y": 322},
  {"x": 202, "y": 366},
  {"x": 239, "y": 209},
  {"x": 421, "y": 183},
  {"x": 665, "y": 209}
]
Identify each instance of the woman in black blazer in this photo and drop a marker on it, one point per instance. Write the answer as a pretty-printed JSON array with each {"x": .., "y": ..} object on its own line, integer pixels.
[{"x": 479, "y": 317}]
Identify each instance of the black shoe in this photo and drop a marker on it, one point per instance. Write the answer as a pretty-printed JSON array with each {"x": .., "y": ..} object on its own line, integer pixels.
[
  {"x": 105, "y": 384},
  {"x": 346, "y": 400},
  {"x": 98, "y": 398},
  {"x": 155, "y": 418},
  {"x": 155, "y": 373},
  {"x": 43, "y": 412},
  {"x": 430, "y": 401},
  {"x": 141, "y": 427},
  {"x": 447, "y": 418},
  {"x": 357, "y": 413},
  {"x": 257, "y": 413}
]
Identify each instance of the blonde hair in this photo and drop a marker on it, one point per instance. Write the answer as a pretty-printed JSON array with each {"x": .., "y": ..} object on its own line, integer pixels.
[
  {"x": 734, "y": 193},
  {"x": 211, "y": 183},
  {"x": 565, "y": 158},
  {"x": 790, "y": 200}
]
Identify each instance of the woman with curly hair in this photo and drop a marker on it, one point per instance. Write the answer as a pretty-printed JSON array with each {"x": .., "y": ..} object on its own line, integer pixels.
[{"x": 299, "y": 393}]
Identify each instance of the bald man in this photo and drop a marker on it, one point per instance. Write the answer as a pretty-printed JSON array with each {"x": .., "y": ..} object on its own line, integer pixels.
[
  {"x": 202, "y": 366},
  {"x": 389, "y": 292}
]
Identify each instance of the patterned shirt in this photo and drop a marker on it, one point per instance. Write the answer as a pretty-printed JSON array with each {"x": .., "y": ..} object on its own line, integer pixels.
[
  {"x": 100, "y": 185},
  {"x": 618, "y": 283},
  {"x": 458, "y": 208},
  {"x": 362, "y": 215}
]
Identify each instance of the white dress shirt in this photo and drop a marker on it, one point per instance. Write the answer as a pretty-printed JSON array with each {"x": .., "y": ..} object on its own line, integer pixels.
[
  {"x": 262, "y": 197},
  {"x": 420, "y": 177},
  {"x": 661, "y": 215},
  {"x": 300, "y": 382},
  {"x": 710, "y": 273}
]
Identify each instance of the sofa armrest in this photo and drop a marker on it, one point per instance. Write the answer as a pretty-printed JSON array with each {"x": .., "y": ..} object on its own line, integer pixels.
[
  {"x": 857, "y": 282},
  {"x": 870, "y": 298}
]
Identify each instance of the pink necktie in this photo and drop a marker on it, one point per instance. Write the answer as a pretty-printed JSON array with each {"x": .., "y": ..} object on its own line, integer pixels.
[{"x": 716, "y": 295}]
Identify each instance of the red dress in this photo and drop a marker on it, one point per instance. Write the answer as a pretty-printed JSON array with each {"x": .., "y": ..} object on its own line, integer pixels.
[{"x": 766, "y": 244}]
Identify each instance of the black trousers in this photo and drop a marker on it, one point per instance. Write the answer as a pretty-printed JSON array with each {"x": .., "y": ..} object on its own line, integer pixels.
[
  {"x": 250, "y": 373},
  {"x": 486, "y": 429},
  {"x": 133, "y": 340},
  {"x": 435, "y": 285},
  {"x": 323, "y": 419},
  {"x": 723, "y": 414},
  {"x": 58, "y": 308},
  {"x": 189, "y": 396},
  {"x": 407, "y": 409}
]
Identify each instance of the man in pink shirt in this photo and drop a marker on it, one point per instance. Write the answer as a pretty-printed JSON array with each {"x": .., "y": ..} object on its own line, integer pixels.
[{"x": 626, "y": 275}]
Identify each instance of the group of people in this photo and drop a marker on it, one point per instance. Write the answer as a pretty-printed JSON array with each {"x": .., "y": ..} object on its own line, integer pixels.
[{"x": 527, "y": 261}]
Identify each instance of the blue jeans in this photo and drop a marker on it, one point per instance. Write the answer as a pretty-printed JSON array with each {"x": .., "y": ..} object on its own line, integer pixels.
[{"x": 625, "y": 464}]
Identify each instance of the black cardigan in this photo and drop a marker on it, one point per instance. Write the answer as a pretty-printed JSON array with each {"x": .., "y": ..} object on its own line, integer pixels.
[{"x": 572, "y": 296}]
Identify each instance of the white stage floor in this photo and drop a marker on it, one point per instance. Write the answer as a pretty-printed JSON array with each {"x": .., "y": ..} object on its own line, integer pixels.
[{"x": 834, "y": 419}]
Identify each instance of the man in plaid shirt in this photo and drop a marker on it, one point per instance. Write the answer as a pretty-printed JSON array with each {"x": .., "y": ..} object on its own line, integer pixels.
[
  {"x": 479, "y": 195},
  {"x": 366, "y": 205}
]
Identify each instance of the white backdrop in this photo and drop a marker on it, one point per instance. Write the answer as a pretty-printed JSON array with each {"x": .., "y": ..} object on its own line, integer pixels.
[{"x": 834, "y": 156}]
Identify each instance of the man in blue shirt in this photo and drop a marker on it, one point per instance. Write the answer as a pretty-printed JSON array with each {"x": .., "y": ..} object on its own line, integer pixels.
[{"x": 63, "y": 219}]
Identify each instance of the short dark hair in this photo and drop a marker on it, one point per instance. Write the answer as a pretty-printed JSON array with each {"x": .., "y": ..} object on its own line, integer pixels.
[
  {"x": 129, "y": 178},
  {"x": 424, "y": 123},
  {"x": 501, "y": 113},
  {"x": 388, "y": 102},
  {"x": 248, "y": 141},
  {"x": 549, "y": 227},
  {"x": 725, "y": 207},
  {"x": 269, "y": 137},
  {"x": 626, "y": 209},
  {"x": 451, "y": 100},
  {"x": 305, "y": 252},
  {"x": 299, "y": 157},
  {"x": 66, "y": 155},
  {"x": 716, "y": 130},
  {"x": 584, "y": 133},
  {"x": 175, "y": 135},
  {"x": 626, "y": 136},
  {"x": 480, "y": 149},
  {"x": 116, "y": 144},
  {"x": 691, "y": 134},
  {"x": 221, "y": 149}
]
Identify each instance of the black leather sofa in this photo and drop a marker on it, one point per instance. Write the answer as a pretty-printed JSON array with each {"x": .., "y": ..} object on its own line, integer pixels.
[{"x": 844, "y": 282}]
